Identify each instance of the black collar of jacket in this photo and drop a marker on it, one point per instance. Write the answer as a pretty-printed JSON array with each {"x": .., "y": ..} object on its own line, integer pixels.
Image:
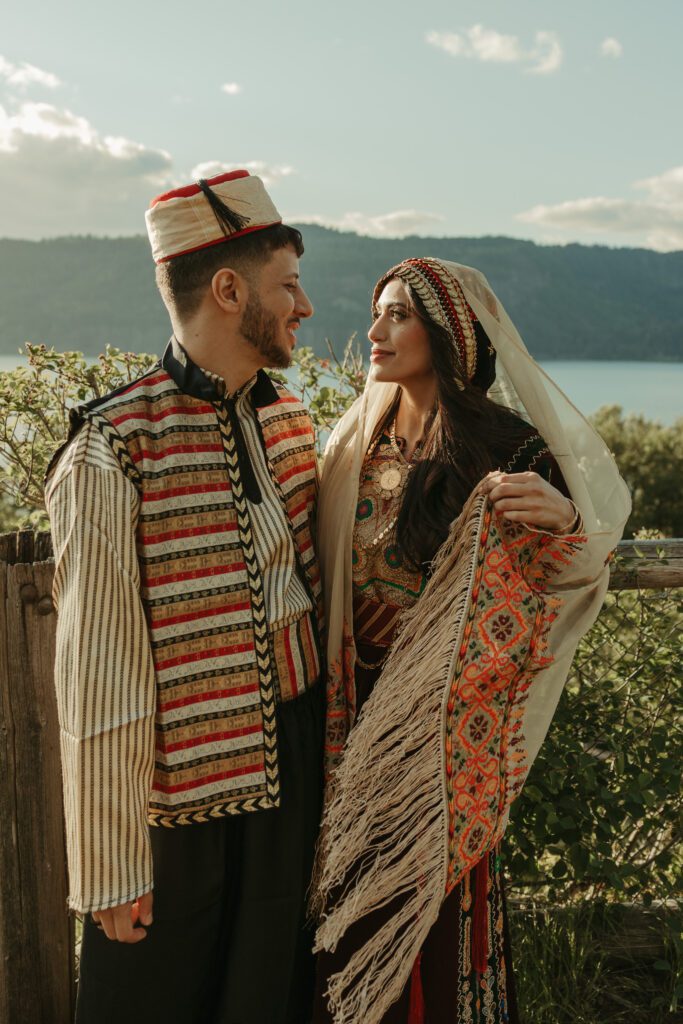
[{"x": 193, "y": 381}]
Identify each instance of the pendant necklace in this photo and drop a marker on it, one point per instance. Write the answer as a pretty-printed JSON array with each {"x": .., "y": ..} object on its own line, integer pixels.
[{"x": 393, "y": 478}]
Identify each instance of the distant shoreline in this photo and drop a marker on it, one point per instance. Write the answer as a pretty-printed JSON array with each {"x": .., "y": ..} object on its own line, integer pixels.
[
  {"x": 651, "y": 388},
  {"x": 570, "y": 302}
]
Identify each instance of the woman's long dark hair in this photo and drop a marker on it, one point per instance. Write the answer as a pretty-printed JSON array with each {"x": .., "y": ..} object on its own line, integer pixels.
[{"x": 468, "y": 436}]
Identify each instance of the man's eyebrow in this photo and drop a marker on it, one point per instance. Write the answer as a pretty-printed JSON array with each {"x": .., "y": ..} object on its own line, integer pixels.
[{"x": 293, "y": 274}]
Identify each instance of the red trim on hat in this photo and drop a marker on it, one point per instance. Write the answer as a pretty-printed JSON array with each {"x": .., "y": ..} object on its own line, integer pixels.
[
  {"x": 193, "y": 189},
  {"x": 217, "y": 241}
]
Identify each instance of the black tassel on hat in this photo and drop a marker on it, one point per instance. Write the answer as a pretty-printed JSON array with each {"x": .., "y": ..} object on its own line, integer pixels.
[{"x": 229, "y": 221}]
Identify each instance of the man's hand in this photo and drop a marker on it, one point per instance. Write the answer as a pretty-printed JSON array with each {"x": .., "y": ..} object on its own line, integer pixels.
[
  {"x": 121, "y": 923},
  {"x": 528, "y": 498}
]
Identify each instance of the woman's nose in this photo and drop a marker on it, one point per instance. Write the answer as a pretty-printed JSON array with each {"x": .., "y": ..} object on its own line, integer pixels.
[{"x": 375, "y": 333}]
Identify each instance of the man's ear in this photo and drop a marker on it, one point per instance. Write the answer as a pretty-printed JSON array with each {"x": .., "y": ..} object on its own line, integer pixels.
[{"x": 230, "y": 290}]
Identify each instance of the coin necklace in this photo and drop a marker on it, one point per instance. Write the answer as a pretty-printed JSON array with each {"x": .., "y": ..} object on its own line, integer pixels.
[{"x": 392, "y": 478}]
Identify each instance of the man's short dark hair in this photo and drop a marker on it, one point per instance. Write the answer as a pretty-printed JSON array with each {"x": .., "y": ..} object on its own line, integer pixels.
[{"x": 183, "y": 280}]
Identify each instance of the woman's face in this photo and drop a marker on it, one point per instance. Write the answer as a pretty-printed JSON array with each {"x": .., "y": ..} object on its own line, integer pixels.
[{"x": 400, "y": 343}]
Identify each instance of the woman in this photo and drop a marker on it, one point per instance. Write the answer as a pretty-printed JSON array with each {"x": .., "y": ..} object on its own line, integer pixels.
[{"x": 464, "y": 549}]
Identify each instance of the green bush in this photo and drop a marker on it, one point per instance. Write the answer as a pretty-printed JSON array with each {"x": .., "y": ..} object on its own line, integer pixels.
[
  {"x": 650, "y": 458},
  {"x": 601, "y": 813},
  {"x": 34, "y": 419}
]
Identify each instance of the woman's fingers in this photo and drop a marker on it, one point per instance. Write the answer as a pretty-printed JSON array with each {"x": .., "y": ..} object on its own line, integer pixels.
[
  {"x": 505, "y": 485},
  {"x": 526, "y": 497},
  {"x": 522, "y": 503}
]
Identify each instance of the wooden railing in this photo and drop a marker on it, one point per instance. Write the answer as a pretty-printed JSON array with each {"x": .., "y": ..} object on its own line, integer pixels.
[{"x": 37, "y": 968}]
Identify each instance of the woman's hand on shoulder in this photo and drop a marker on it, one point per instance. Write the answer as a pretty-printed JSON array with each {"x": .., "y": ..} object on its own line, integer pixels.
[{"x": 528, "y": 498}]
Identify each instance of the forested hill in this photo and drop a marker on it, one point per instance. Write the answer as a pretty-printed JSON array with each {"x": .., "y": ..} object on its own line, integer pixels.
[{"x": 569, "y": 302}]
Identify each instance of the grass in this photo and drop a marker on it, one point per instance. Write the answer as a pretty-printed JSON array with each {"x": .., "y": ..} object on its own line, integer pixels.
[{"x": 586, "y": 964}]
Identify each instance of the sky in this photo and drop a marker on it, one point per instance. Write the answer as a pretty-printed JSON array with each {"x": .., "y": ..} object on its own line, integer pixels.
[{"x": 553, "y": 122}]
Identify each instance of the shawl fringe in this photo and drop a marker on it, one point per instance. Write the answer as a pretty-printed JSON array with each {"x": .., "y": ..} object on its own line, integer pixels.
[{"x": 396, "y": 843}]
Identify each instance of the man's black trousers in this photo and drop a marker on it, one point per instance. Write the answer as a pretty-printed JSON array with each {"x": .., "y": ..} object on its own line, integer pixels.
[{"x": 229, "y": 943}]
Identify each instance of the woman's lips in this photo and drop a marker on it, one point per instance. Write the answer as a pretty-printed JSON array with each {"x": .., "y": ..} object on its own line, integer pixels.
[{"x": 378, "y": 354}]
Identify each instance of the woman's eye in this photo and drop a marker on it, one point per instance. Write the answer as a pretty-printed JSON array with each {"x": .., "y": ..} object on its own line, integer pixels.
[{"x": 395, "y": 314}]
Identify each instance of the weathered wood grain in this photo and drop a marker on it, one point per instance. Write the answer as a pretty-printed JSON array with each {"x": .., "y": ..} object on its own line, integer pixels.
[
  {"x": 36, "y": 932},
  {"x": 647, "y": 565}
]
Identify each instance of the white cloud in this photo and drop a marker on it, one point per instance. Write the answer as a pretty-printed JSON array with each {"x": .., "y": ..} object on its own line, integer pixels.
[
  {"x": 611, "y": 47},
  {"x": 655, "y": 221},
  {"x": 666, "y": 187},
  {"x": 484, "y": 44},
  {"x": 60, "y": 175},
  {"x": 21, "y": 75},
  {"x": 231, "y": 88},
  {"x": 64, "y": 177},
  {"x": 269, "y": 173},
  {"x": 547, "y": 54},
  {"x": 489, "y": 46},
  {"x": 388, "y": 225}
]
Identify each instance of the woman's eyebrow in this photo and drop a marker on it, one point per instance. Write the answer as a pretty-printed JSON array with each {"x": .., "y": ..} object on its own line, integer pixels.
[{"x": 388, "y": 305}]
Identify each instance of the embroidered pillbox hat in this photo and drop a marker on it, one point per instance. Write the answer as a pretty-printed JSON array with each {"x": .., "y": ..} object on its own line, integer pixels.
[{"x": 207, "y": 212}]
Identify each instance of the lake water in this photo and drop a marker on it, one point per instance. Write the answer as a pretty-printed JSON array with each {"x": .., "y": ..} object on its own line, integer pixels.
[{"x": 653, "y": 389}]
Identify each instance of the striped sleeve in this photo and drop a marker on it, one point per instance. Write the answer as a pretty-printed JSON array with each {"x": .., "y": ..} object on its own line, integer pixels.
[
  {"x": 104, "y": 676},
  {"x": 286, "y": 597}
]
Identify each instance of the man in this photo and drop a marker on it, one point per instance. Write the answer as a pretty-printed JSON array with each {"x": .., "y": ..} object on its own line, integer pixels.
[{"x": 187, "y": 667}]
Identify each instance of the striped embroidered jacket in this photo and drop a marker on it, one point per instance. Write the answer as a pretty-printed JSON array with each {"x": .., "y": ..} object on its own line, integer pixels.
[{"x": 179, "y": 441}]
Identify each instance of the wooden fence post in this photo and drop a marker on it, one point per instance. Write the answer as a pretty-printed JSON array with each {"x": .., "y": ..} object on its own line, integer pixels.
[{"x": 36, "y": 932}]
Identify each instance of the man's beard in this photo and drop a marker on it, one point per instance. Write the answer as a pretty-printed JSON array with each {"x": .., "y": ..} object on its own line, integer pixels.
[{"x": 261, "y": 330}]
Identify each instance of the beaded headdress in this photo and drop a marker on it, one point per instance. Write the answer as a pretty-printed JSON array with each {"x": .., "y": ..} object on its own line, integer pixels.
[{"x": 444, "y": 300}]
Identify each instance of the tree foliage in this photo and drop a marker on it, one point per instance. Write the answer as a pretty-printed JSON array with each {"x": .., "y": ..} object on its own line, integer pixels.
[
  {"x": 34, "y": 419},
  {"x": 569, "y": 301},
  {"x": 650, "y": 459}
]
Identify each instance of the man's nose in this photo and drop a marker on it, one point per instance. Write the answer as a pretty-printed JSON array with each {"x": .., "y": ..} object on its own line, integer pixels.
[{"x": 304, "y": 306}]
